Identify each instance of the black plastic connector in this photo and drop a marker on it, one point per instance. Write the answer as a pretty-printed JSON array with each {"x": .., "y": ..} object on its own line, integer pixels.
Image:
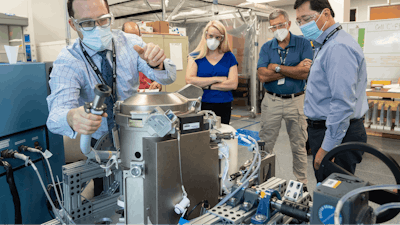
[{"x": 8, "y": 154}]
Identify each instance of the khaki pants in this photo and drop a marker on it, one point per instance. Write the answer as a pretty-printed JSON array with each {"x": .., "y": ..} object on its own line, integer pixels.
[{"x": 273, "y": 110}]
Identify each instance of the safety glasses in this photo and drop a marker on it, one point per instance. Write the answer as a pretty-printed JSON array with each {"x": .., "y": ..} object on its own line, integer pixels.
[{"x": 89, "y": 24}]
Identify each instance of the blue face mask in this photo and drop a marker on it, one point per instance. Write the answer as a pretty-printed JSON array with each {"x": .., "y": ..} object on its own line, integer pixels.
[
  {"x": 311, "y": 31},
  {"x": 97, "y": 39}
]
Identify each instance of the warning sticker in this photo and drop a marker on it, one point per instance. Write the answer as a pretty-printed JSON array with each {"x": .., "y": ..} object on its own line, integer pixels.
[{"x": 332, "y": 183}]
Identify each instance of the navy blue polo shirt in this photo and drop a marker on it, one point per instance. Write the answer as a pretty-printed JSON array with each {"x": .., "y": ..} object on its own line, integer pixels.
[{"x": 299, "y": 49}]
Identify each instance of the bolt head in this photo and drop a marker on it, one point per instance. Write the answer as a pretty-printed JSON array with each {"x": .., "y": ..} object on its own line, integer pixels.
[
  {"x": 136, "y": 171},
  {"x": 261, "y": 217}
]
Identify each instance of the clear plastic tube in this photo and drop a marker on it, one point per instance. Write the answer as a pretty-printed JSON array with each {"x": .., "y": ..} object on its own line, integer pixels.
[
  {"x": 247, "y": 180},
  {"x": 340, "y": 203},
  {"x": 254, "y": 159}
]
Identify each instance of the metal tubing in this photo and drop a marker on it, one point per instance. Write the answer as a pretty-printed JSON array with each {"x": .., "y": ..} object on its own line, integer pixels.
[
  {"x": 151, "y": 8},
  {"x": 253, "y": 76},
  {"x": 176, "y": 9},
  {"x": 163, "y": 9}
]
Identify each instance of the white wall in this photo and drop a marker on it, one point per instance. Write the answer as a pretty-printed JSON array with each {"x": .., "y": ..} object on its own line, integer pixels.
[
  {"x": 17, "y": 7},
  {"x": 49, "y": 20},
  {"x": 362, "y": 7}
]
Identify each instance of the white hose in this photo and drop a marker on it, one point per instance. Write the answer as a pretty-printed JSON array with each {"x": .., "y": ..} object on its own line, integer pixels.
[
  {"x": 340, "y": 203},
  {"x": 44, "y": 189},
  {"x": 255, "y": 156},
  {"x": 52, "y": 179},
  {"x": 247, "y": 180},
  {"x": 225, "y": 173}
]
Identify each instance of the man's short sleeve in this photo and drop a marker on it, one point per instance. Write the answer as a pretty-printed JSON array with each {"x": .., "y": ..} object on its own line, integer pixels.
[
  {"x": 307, "y": 52},
  {"x": 263, "y": 60}
]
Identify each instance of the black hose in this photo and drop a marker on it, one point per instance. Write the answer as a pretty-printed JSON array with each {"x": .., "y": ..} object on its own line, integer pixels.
[{"x": 13, "y": 190}]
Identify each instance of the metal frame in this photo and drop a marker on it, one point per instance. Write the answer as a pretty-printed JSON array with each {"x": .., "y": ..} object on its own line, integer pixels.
[
  {"x": 75, "y": 176},
  {"x": 233, "y": 215}
]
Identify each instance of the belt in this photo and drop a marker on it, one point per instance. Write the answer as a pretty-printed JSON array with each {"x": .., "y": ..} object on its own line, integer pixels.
[
  {"x": 319, "y": 124},
  {"x": 286, "y": 95}
]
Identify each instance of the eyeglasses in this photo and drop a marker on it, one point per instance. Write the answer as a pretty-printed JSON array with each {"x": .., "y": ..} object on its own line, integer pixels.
[
  {"x": 89, "y": 24},
  {"x": 305, "y": 19},
  {"x": 278, "y": 26},
  {"x": 211, "y": 36}
]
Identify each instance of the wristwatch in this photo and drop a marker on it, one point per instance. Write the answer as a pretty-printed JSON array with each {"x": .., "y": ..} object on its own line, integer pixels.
[
  {"x": 155, "y": 67},
  {"x": 207, "y": 87},
  {"x": 278, "y": 69}
]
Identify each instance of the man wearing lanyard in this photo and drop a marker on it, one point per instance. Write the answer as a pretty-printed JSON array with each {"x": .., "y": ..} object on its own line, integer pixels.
[
  {"x": 336, "y": 100},
  {"x": 283, "y": 67},
  {"x": 99, "y": 55}
]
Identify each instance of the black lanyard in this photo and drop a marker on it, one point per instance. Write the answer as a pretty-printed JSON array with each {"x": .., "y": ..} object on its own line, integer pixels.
[
  {"x": 283, "y": 59},
  {"x": 323, "y": 43},
  {"x": 327, "y": 38},
  {"x": 98, "y": 73}
]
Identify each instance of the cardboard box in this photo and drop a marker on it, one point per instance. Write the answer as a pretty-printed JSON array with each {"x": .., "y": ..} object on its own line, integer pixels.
[{"x": 159, "y": 26}]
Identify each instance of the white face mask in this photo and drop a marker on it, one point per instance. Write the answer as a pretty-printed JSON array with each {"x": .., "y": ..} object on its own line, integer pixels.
[
  {"x": 281, "y": 34},
  {"x": 213, "y": 44}
]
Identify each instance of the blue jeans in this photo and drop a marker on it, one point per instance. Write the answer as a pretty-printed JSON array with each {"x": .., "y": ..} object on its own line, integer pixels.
[{"x": 347, "y": 160}]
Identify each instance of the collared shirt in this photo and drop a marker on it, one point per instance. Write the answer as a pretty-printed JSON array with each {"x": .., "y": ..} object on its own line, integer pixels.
[
  {"x": 299, "y": 49},
  {"x": 72, "y": 79},
  {"x": 336, "y": 85}
]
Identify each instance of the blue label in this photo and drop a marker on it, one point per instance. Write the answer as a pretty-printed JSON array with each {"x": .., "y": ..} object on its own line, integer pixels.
[
  {"x": 27, "y": 38},
  {"x": 326, "y": 214}
]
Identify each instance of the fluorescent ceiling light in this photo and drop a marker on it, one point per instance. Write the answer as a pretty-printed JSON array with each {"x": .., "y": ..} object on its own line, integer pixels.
[{"x": 261, "y": 1}]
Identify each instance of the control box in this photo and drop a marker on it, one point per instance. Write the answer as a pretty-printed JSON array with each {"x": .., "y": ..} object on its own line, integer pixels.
[{"x": 327, "y": 195}]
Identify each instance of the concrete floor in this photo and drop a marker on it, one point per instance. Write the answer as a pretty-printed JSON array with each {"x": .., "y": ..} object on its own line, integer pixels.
[{"x": 370, "y": 169}]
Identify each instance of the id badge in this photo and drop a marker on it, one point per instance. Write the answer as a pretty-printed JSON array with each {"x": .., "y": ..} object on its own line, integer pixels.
[{"x": 281, "y": 81}]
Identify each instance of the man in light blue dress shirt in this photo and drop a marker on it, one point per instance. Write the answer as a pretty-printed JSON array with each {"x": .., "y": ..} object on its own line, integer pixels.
[
  {"x": 73, "y": 79},
  {"x": 336, "y": 100}
]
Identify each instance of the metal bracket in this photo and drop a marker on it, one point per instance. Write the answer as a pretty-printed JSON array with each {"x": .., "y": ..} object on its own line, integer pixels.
[
  {"x": 388, "y": 119},
  {"x": 264, "y": 210},
  {"x": 368, "y": 115},
  {"x": 374, "y": 116},
  {"x": 294, "y": 191},
  {"x": 397, "y": 120}
]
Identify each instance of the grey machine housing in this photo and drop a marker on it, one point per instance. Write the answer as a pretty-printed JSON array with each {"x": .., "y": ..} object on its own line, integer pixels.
[{"x": 354, "y": 211}]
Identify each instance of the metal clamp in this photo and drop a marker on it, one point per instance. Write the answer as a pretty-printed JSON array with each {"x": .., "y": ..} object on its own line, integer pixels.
[{"x": 264, "y": 210}]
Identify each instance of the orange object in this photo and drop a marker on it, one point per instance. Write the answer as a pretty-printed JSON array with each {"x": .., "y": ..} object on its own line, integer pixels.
[{"x": 382, "y": 82}]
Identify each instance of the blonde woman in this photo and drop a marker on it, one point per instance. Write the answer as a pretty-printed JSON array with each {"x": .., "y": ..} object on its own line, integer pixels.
[{"x": 213, "y": 67}]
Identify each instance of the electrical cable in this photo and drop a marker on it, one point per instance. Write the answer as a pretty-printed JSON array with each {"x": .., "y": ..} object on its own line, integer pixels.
[
  {"x": 188, "y": 214},
  {"x": 180, "y": 160},
  {"x": 26, "y": 148},
  {"x": 43, "y": 187},
  {"x": 13, "y": 190}
]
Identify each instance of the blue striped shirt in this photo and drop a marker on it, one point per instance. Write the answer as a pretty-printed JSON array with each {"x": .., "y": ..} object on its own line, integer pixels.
[
  {"x": 72, "y": 79},
  {"x": 336, "y": 85}
]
